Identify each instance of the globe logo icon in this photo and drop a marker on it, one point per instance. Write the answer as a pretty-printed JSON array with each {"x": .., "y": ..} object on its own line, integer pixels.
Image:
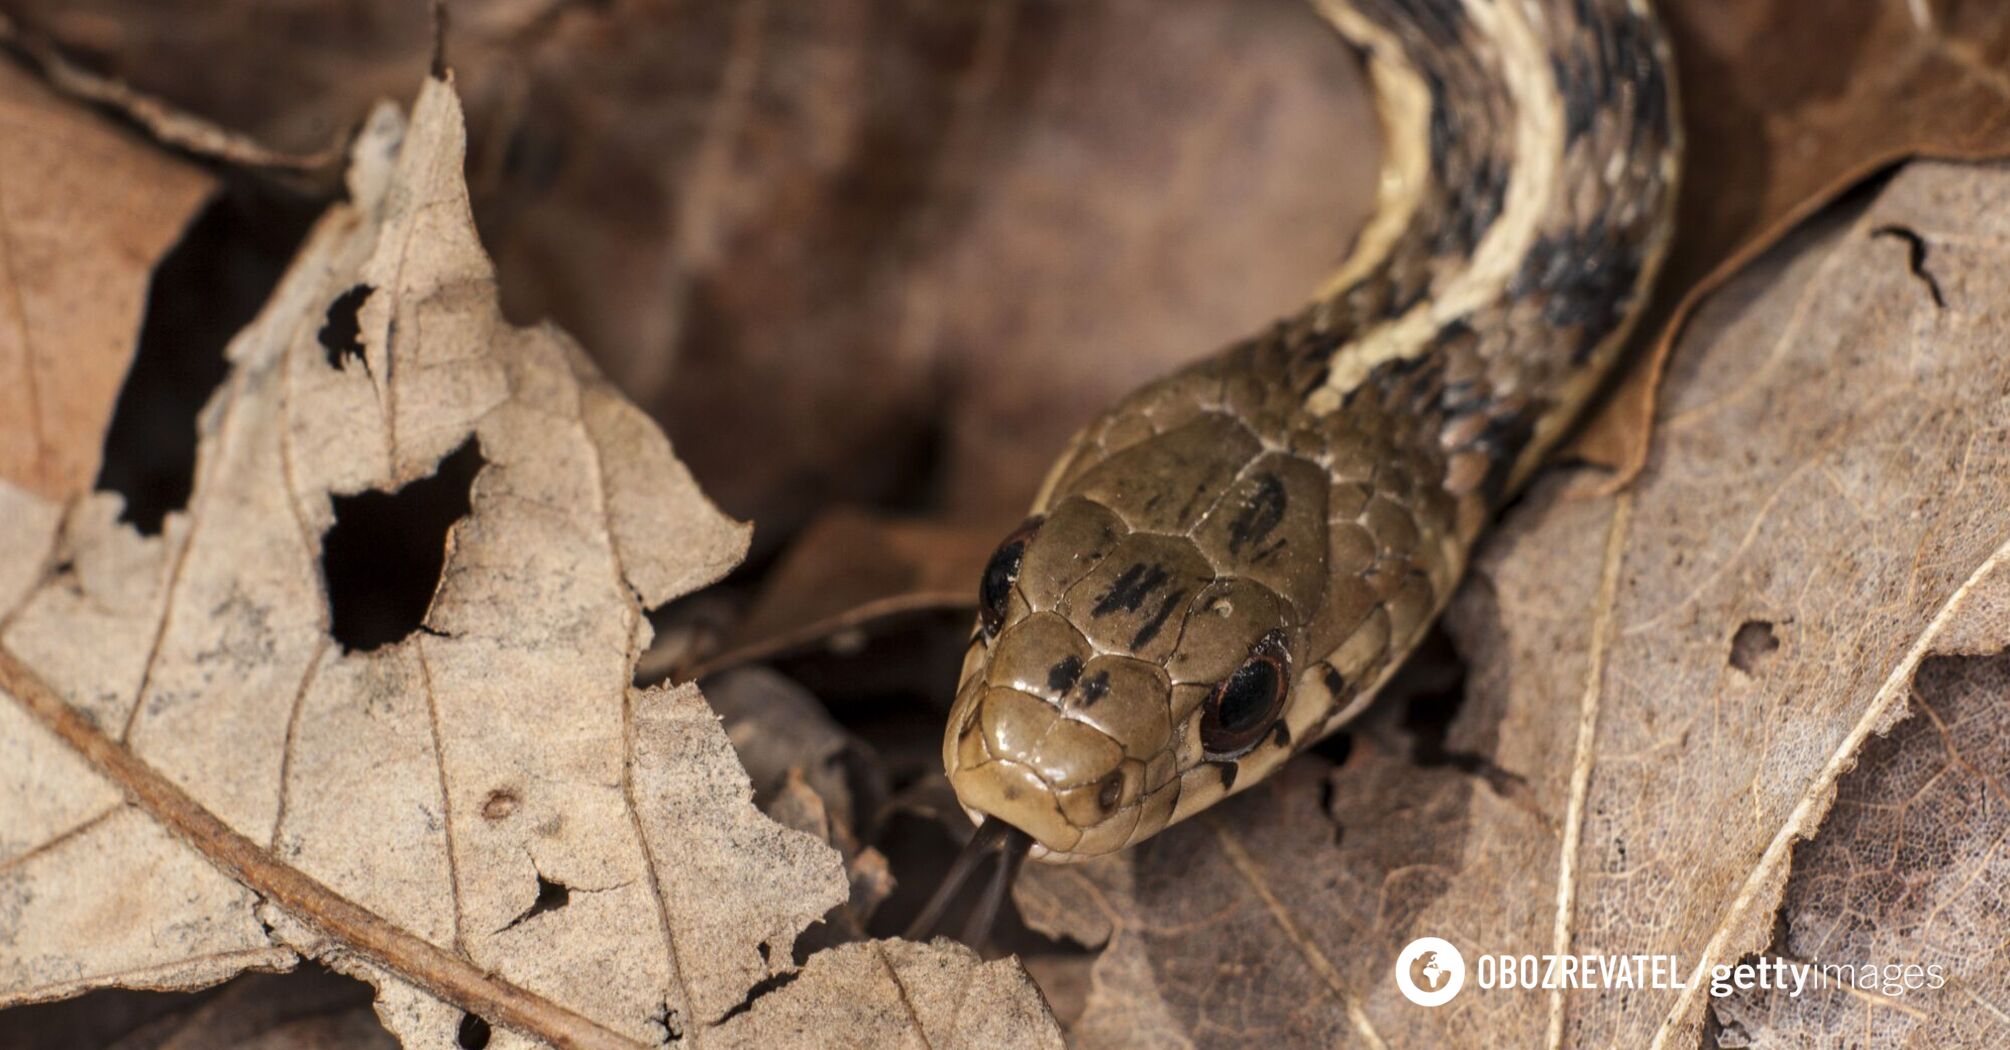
[{"x": 1430, "y": 971}]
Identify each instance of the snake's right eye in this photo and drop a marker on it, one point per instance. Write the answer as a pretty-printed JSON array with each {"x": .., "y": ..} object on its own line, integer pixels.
[{"x": 994, "y": 591}]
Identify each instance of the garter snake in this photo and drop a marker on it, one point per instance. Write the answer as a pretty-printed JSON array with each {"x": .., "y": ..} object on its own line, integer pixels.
[{"x": 1230, "y": 562}]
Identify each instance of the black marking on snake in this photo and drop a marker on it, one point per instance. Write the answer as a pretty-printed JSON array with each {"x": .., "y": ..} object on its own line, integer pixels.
[
  {"x": 1405, "y": 296},
  {"x": 1438, "y": 20},
  {"x": 1444, "y": 129},
  {"x": 1061, "y": 677},
  {"x": 1334, "y": 683},
  {"x": 1311, "y": 353},
  {"x": 1502, "y": 441},
  {"x": 1227, "y": 771},
  {"x": 1417, "y": 381},
  {"x": 1095, "y": 687},
  {"x": 1463, "y": 397},
  {"x": 1632, "y": 61},
  {"x": 1577, "y": 84},
  {"x": 1588, "y": 276},
  {"x": 1281, "y": 735},
  {"x": 1151, "y": 628},
  {"x": 1260, "y": 515},
  {"x": 1475, "y": 204},
  {"x": 1130, "y": 589},
  {"x": 1193, "y": 502}
]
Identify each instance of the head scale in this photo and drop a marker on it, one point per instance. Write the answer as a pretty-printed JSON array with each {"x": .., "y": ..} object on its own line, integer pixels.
[{"x": 1120, "y": 678}]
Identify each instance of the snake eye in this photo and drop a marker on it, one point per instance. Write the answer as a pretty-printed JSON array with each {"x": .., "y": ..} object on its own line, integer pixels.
[
  {"x": 1242, "y": 708},
  {"x": 994, "y": 590}
]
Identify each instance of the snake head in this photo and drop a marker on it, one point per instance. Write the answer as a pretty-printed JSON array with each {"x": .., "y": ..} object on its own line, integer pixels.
[{"x": 1116, "y": 681}]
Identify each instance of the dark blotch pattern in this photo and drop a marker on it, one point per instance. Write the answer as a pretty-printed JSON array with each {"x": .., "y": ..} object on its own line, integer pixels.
[
  {"x": 1440, "y": 21},
  {"x": 1588, "y": 277},
  {"x": 1095, "y": 687},
  {"x": 1151, "y": 628},
  {"x": 1130, "y": 589},
  {"x": 1260, "y": 516},
  {"x": 1061, "y": 677},
  {"x": 1475, "y": 204},
  {"x": 1502, "y": 440},
  {"x": 1575, "y": 82}
]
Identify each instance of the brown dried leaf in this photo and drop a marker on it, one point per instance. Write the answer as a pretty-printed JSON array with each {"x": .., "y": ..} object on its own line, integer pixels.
[
  {"x": 1907, "y": 872},
  {"x": 848, "y": 571},
  {"x": 308, "y": 1009},
  {"x": 1787, "y": 104},
  {"x": 483, "y": 815},
  {"x": 1666, "y": 687},
  {"x": 810, "y": 774},
  {"x": 85, "y": 212},
  {"x": 898, "y": 993},
  {"x": 846, "y": 229}
]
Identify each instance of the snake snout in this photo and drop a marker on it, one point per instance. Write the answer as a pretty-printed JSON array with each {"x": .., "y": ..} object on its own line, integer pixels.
[{"x": 1020, "y": 758}]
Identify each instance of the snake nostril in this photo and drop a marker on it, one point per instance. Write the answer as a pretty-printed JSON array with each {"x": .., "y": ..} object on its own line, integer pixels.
[{"x": 1112, "y": 791}]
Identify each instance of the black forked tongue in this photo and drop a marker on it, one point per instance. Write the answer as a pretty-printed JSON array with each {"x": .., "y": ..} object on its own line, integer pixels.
[{"x": 1011, "y": 845}]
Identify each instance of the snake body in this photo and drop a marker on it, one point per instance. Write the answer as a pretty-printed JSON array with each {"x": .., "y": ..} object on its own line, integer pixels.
[{"x": 1229, "y": 563}]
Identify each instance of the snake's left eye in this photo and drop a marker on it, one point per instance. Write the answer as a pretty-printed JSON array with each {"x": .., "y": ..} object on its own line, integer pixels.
[
  {"x": 994, "y": 591},
  {"x": 1243, "y": 707}
]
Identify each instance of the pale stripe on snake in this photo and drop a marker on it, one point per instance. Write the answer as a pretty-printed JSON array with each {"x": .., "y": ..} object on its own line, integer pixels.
[{"x": 1229, "y": 563}]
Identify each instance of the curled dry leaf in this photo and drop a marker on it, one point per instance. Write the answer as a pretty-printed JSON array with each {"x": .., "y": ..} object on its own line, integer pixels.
[
  {"x": 1787, "y": 104},
  {"x": 1650, "y": 731},
  {"x": 207, "y": 768},
  {"x": 85, "y": 210}
]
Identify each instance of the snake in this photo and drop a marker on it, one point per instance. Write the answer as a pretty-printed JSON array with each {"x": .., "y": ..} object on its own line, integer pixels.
[{"x": 1230, "y": 562}]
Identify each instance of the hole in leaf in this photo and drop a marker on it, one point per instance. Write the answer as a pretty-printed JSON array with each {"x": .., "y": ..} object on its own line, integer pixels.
[
  {"x": 473, "y": 1033},
  {"x": 1752, "y": 644},
  {"x": 551, "y": 896},
  {"x": 1916, "y": 249},
  {"x": 207, "y": 288},
  {"x": 382, "y": 557},
  {"x": 671, "y": 1022},
  {"x": 1434, "y": 705},
  {"x": 342, "y": 334},
  {"x": 760, "y": 988}
]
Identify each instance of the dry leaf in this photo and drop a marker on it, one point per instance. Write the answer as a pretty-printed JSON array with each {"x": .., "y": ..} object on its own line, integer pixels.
[
  {"x": 308, "y": 1009},
  {"x": 898, "y": 993},
  {"x": 1907, "y": 868},
  {"x": 810, "y": 774},
  {"x": 1666, "y": 687},
  {"x": 209, "y": 768},
  {"x": 85, "y": 212},
  {"x": 847, "y": 572},
  {"x": 852, "y": 230},
  {"x": 805, "y": 183},
  {"x": 779, "y": 730},
  {"x": 1787, "y": 104}
]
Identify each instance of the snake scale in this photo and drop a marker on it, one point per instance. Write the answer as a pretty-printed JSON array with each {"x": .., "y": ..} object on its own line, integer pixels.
[{"x": 1229, "y": 563}]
